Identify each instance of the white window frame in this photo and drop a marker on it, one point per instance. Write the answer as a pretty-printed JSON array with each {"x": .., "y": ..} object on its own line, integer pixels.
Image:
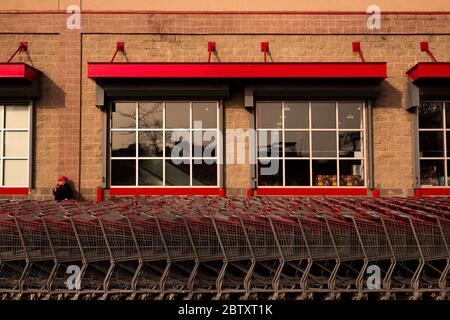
[
  {"x": 364, "y": 144},
  {"x": 444, "y": 130},
  {"x": 219, "y": 144},
  {"x": 29, "y": 130}
]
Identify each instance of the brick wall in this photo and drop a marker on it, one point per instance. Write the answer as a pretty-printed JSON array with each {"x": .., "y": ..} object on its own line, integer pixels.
[{"x": 66, "y": 117}]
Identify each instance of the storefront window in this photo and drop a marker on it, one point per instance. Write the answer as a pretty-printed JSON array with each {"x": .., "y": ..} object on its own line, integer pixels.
[
  {"x": 310, "y": 144},
  {"x": 15, "y": 146},
  {"x": 164, "y": 144},
  {"x": 434, "y": 143}
]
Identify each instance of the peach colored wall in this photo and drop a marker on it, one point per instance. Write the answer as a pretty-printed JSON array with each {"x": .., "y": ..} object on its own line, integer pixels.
[{"x": 227, "y": 5}]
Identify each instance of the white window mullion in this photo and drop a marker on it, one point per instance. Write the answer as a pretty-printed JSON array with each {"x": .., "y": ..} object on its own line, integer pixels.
[{"x": 311, "y": 180}]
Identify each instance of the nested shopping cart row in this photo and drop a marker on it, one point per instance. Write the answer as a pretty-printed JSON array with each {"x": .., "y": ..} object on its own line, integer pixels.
[{"x": 220, "y": 246}]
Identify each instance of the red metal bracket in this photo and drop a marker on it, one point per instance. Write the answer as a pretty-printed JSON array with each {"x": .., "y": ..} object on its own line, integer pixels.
[
  {"x": 23, "y": 46},
  {"x": 211, "y": 49},
  {"x": 425, "y": 47},
  {"x": 356, "y": 46},
  {"x": 265, "y": 49},
  {"x": 120, "y": 47}
]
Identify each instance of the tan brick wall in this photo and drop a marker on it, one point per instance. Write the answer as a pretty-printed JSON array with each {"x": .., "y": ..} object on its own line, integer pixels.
[{"x": 67, "y": 106}]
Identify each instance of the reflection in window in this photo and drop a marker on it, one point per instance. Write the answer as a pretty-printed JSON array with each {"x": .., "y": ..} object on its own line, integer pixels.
[
  {"x": 432, "y": 172},
  {"x": 311, "y": 146},
  {"x": 350, "y": 144},
  {"x": 151, "y": 172},
  {"x": 151, "y": 144},
  {"x": 296, "y": 144},
  {"x": 434, "y": 143}
]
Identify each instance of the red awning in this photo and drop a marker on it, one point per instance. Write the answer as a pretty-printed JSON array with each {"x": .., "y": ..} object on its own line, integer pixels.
[
  {"x": 18, "y": 71},
  {"x": 429, "y": 70},
  {"x": 345, "y": 70}
]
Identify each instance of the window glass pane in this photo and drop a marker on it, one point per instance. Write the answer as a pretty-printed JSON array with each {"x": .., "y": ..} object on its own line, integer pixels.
[
  {"x": 351, "y": 173},
  {"x": 1, "y": 116},
  {"x": 150, "y": 144},
  {"x": 432, "y": 172},
  {"x": 268, "y": 115},
  {"x": 204, "y": 173},
  {"x": 430, "y": 115},
  {"x": 15, "y": 172},
  {"x": 123, "y": 143},
  {"x": 177, "y": 143},
  {"x": 324, "y": 144},
  {"x": 350, "y": 115},
  {"x": 431, "y": 143},
  {"x": 323, "y": 115},
  {"x": 177, "y": 115},
  {"x": 150, "y": 172},
  {"x": 123, "y": 115},
  {"x": 204, "y": 144},
  {"x": 448, "y": 143},
  {"x": 270, "y": 173},
  {"x": 324, "y": 172},
  {"x": 297, "y": 172},
  {"x": 296, "y": 144},
  {"x": 350, "y": 145},
  {"x": 16, "y": 117},
  {"x": 16, "y": 144},
  {"x": 151, "y": 115},
  {"x": 296, "y": 115},
  {"x": 177, "y": 172},
  {"x": 204, "y": 114},
  {"x": 123, "y": 172},
  {"x": 269, "y": 143}
]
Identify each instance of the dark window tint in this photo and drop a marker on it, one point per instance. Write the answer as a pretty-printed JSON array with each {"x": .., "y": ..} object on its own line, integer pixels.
[
  {"x": 177, "y": 143},
  {"x": 204, "y": 173},
  {"x": 270, "y": 173},
  {"x": 297, "y": 172},
  {"x": 431, "y": 143},
  {"x": 430, "y": 115},
  {"x": 123, "y": 172}
]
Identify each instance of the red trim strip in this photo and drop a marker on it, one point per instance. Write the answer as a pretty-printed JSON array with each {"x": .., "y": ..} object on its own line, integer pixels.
[
  {"x": 238, "y": 70},
  {"x": 223, "y": 12},
  {"x": 311, "y": 192},
  {"x": 14, "y": 191},
  {"x": 167, "y": 191},
  {"x": 434, "y": 191},
  {"x": 424, "y": 70},
  {"x": 18, "y": 71}
]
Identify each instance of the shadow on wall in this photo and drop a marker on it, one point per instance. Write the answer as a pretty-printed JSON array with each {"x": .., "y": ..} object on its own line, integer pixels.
[
  {"x": 52, "y": 96},
  {"x": 390, "y": 97}
]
